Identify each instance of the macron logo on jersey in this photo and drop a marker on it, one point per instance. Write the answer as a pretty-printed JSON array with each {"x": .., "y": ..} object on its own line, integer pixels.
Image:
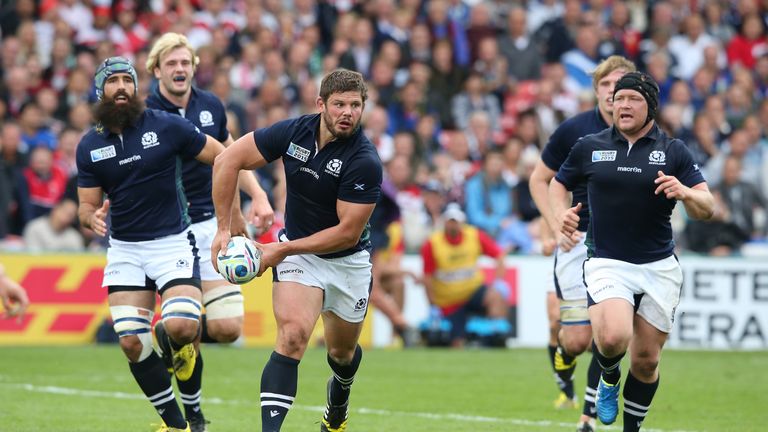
[
  {"x": 603, "y": 155},
  {"x": 297, "y": 152},
  {"x": 334, "y": 167},
  {"x": 149, "y": 139},
  {"x": 206, "y": 118},
  {"x": 103, "y": 153}
]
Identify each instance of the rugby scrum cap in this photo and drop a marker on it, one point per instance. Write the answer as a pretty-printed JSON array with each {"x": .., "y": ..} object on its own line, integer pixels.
[
  {"x": 646, "y": 86},
  {"x": 453, "y": 211},
  {"x": 111, "y": 66}
]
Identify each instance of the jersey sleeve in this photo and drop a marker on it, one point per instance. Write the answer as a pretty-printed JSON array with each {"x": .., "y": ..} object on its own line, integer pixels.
[
  {"x": 85, "y": 177},
  {"x": 488, "y": 245},
  {"x": 273, "y": 141},
  {"x": 361, "y": 183},
  {"x": 571, "y": 172},
  {"x": 189, "y": 140},
  {"x": 557, "y": 148},
  {"x": 427, "y": 258},
  {"x": 686, "y": 169}
]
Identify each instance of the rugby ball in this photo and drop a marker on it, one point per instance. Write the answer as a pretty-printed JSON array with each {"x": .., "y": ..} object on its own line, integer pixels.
[{"x": 241, "y": 262}]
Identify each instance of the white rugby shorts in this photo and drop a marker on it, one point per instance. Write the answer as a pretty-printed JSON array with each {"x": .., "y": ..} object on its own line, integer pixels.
[
  {"x": 346, "y": 281},
  {"x": 569, "y": 273},
  {"x": 204, "y": 232},
  {"x": 660, "y": 283},
  {"x": 162, "y": 260}
]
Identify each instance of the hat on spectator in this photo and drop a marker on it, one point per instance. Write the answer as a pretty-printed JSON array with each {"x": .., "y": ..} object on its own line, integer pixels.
[
  {"x": 646, "y": 86},
  {"x": 111, "y": 66},
  {"x": 453, "y": 211},
  {"x": 433, "y": 185}
]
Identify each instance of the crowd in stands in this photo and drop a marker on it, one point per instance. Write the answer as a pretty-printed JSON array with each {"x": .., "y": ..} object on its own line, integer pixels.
[{"x": 463, "y": 95}]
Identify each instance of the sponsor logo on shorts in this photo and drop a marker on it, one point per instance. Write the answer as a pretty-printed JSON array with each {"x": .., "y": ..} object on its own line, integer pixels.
[
  {"x": 206, "y": 118},
  {"x": 103, "y": 153},
  {"x": 360, "y": 305},
  {"x": 112, "y": 273},
  {"x": 297, "y": 152},
  {"x": 291, "y": 271},
  {"x": 603, "y": 155},
  {"x": 182, "y": 263}
]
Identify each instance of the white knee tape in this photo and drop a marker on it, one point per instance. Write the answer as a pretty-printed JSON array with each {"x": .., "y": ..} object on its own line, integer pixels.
[
  {"x": 134, "y": 321},
  {"x": 181, "y": 307},
  {"x": 224, "y": 301}
]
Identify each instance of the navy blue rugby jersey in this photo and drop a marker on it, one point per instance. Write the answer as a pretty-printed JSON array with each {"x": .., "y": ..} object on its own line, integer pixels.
[
  {"x": 560, "y": 144},
  {"x": 205, "y": 111},
  {"x": 140, "y": 171},
  {"x": 348, "y": 170},
  {"x": 628, "y": 221}
]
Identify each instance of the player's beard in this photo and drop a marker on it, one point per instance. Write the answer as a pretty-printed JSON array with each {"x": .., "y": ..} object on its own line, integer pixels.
[
  {"x": 117, "y": 117},
  {"x": 329, "y": 125}
]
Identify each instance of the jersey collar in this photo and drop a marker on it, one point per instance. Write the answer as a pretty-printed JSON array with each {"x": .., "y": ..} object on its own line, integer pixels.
[
  {"x": 652, "y": 135},
  {"x": 167, "y": 105}
]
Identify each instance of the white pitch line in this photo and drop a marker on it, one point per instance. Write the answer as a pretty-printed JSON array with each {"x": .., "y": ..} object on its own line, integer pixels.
[{"x": 365, "y": 411}]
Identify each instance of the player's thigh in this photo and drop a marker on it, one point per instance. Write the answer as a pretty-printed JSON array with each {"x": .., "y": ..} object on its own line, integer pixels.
[
  {"x": 340, "y": 336},
  {"x": 141, "y": 298},
  {"x": 612, "y": 322},
  {"x": 296, "y": 306},
  {"x": 204, "y": 233}
]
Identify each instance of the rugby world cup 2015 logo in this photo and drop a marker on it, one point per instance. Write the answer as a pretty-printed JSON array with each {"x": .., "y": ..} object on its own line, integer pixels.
[
  {"x": 334, "y": 167},
  {"x": 657, "y": 157},
  {"x": 149, "y": 139}
]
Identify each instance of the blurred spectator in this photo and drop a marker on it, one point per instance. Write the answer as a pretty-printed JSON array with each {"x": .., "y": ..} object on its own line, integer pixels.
[
  {"x": 65, "y": 154},
  {"x": 33, "y": 132},
  {"x": 688, "y": 48},
  {"x": 737, "y": 146},
  {"x": 445, "y": 82},
  {"x": 733, "y": 223},
  {"x": 419, "y": 46},
  {"x": 247, "y": 74},
  {"x": 492, "y": 67},
  {"x": 557, "y": 36},
  {"x": 475, "y": 97},
  {"x": 749, "y": 44},
  {"x": 46, "y": 181},
  {"x": 580, "y": 61},
  {"x": 480, "y": 27},
  {"x": 376, "y": 123},
  {"x": 13, "y": 151},
  {"x": 443, "y": 26},
  {"x": 404, "y": 114},
  {"x": 521, "y": 54},
  {"x": 54, "y": 232},
  {"x": 16, "y": 90},
  {"x": 359, "y": 56},
  {"x": 716, "y": 23},
  {"x": 453, "y": 281}
]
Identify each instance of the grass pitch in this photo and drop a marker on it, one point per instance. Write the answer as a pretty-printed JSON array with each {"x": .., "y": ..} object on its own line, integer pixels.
[{"x": 90, "y": 389}]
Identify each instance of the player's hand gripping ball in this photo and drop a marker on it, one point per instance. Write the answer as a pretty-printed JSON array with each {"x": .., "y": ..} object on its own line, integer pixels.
[{"x": 241, "y": 262}]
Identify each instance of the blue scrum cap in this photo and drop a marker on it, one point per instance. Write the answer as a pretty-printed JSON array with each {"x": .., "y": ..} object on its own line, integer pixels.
[{"x": 111, "y": 66}]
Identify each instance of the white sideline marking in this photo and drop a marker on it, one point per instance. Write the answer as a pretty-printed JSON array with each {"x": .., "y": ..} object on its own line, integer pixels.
[{"x": 365, "y": 411}]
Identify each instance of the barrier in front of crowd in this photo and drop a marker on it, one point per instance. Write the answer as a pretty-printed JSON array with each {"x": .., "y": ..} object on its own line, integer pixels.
[{"x": 724, "y": 302}]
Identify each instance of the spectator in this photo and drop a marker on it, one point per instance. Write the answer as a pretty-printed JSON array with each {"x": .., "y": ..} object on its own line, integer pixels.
[
  {"x": 54, "y": 232},
  {"x": 453, "y": 281},
  {"x": 45, "y": 180},
  {"x": 33, "y": 132},
  {"x": 522, "y": 55},
  {"x": 404, "y": 114},
  {"x": 749, "y": 44},
  {"x": 445, "y": 82},
  {"x": 475, "y": 98},
  {"x": 359, "y": 56},
  {"x": 688, "y": 48}
]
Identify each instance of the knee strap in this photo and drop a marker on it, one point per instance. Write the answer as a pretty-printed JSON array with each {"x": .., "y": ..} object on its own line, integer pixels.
[
  {"x": 134, "y": 321},
  {"x": 224, "y": 301},
  {"x": 181, "y": 307}
]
